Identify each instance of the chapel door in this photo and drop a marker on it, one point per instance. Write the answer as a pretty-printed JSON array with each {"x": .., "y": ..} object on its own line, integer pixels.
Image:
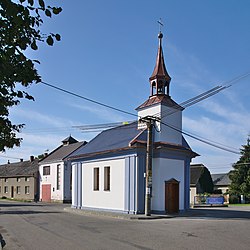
[
  {"x": 172, "y": 196},
  {"x": 46, "y": 192}
]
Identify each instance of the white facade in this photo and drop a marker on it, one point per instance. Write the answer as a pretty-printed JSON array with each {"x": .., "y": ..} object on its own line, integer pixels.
[
  {"x": 123, "y": 193},
  {"x": 170, "y": 116},
  {"x": 59, "y": 178},
  {"x": 112, "y": 199},
  {"x": 192, "y": 194},
  {"x": 164, "y": 170}
]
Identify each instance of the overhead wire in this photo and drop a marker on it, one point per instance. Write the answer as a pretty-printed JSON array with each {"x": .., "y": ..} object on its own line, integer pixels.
[
  {"x": 206, "y": 94},
  {"x": 187, "y": 103},
  {"x": 10, "y": 157},
  {"x": 199, "y": 139},
  {"x": 88, "y": 99}
]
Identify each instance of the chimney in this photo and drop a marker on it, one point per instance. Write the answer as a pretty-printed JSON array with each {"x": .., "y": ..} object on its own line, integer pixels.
[
  {"x": 31, "y": 158},
  {"x": 21, "y": 160}
]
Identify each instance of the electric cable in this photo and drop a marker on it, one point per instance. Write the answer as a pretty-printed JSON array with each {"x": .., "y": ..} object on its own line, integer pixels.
[
  {"x": 88, "y": 99},
  {"x": 201, "y": 140},
  {"x": 187, "y": 103}
]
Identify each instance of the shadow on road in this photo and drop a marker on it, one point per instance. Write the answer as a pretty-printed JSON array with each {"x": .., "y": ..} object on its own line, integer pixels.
[
  {"x": 27, "y": 212},
  {"x": 225, "y": 213},
  {"x": 19, "y": 204}
]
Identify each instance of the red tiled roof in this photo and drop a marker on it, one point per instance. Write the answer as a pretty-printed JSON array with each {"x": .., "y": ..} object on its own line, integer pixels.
[{"x": 164, "y": 99}]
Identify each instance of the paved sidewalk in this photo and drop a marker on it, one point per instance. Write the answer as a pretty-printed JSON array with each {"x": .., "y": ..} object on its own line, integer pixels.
[{"x": 117, "y": 214}]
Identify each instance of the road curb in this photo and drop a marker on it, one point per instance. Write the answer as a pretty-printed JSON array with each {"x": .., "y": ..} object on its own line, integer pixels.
[{"x": 116, "y": 215}]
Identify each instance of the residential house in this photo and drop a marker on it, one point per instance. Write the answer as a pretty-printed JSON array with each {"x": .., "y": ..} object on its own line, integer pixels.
[
  {"x": 109, "y": 172},
  {"x": 55, "y": 172},
  {"x": 19, "y": 180},
  {"x": 200, "y": 181},
  {"x": 221, "y": 182}
]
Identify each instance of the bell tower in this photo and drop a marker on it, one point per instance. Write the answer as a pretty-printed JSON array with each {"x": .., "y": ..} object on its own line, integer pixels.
[
  {"x": 160, "y": 104},
  {"x": 160, "y": 79}
]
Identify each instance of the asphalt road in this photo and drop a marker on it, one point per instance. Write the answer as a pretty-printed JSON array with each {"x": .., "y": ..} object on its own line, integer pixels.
[{"x": 31, "y": 226}]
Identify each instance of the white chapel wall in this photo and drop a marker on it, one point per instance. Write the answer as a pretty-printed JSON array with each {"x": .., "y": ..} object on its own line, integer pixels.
[
  {"x": 113, "y": 199},
  {"x": 171, "y": 116},
  {"x": 164, "y": 170}
]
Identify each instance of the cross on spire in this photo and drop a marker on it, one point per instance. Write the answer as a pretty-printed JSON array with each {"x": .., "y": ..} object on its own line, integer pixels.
[
  {"x": 160, "y": 24},
  {"x": 160, "y": 78}
]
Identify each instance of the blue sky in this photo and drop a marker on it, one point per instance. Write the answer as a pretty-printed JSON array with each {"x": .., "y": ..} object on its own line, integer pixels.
[{"x": 108, "y": 52}]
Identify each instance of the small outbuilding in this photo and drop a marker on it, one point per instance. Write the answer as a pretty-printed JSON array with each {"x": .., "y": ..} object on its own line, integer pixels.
[
  {"x": 200, "y": 181},
  {"x": 56, "y": 174},
  {"x": 221, "y": 182}
]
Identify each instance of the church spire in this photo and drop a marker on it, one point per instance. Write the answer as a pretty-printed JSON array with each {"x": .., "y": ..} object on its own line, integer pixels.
[{"x": 160, "y": 78}]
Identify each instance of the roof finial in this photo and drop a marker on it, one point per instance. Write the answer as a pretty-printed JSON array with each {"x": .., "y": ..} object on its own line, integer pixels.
[
  {"x": 160, "y": 78},
  {"x": 160, "y": 24}
]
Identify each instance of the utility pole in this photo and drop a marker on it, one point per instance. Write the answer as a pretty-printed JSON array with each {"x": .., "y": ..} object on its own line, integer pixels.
[{"x": 149, "y": 122}]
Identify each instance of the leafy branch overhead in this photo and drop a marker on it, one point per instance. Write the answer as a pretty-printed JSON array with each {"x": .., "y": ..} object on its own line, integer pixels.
[{"x": 20, "y": 29}]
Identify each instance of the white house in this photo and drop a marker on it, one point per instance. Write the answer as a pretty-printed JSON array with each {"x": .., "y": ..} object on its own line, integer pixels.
[
  {"x": 56, "y": 174},
  {"x": 109, "y": 172}
]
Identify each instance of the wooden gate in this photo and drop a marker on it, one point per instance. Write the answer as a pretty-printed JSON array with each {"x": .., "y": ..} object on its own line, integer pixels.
[
  {"x": 172, "y": 196},
  {"x": 46, "y": 192}
]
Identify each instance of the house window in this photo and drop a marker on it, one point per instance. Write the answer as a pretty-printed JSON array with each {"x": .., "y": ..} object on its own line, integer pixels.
[
  {"x": 106, "y": 178},
  {"x": 5, "y": 179},
  {"x": 27, "y": 189},
  {"x": 18, "y": 179},
  {"x": 5, "y": 189},
  {"x": 18, "y": 189},
  {"x": 96, "y": 179},
  {"x": 27, "y": 179},
  {"x": 46, "y": 170},
  {"x": 58, "y": 176}
]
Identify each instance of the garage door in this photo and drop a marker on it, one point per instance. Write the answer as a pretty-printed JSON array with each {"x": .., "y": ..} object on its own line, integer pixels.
[{"x": 46, "y": 192}]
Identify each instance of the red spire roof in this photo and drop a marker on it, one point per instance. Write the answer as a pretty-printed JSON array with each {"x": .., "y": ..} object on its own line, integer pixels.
[
  {"x": 160, "y": 78},
  {"x": 160, "y": 70}
]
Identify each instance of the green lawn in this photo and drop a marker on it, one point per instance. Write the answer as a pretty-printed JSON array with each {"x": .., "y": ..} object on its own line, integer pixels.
[{"x": 239, "y": 205}]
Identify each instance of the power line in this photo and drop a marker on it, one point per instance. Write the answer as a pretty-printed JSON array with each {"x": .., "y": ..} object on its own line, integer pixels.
[
  {"x": 88, "y": 99},
  {"x": 206, "y": 94},
  {"x": 237, "y": 79},
  {"x": 187, "y": 103},
  {"x": 105, "y": 125},
  {"x": 192, "y": 101},
  {"x": 10, "y": 157},
  {"x": 201, "y": 140}
]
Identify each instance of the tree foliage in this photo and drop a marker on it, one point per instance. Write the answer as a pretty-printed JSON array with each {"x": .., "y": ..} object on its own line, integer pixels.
[
  {"x": 206, "y": 181},
  {"x": 240, "y": 176},
  {"x": 19, "y": 30}
]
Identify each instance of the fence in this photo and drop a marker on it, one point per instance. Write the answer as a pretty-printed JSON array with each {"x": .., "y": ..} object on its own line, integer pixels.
[{"x": 208, "y": 200}]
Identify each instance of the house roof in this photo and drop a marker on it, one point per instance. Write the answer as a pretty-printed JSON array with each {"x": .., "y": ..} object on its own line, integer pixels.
[
  {"x": 163, "y": 99},
  {"x": 24, "y": 168},
  {"x": 62, "y": 152},
  {"x": 195, "y": 173},
  {"x": 221, "y": 179},
  {"x": 123, "y": 138},
  {"x": 69, "y": 140},
  {"x": 120, "y": 137}
]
